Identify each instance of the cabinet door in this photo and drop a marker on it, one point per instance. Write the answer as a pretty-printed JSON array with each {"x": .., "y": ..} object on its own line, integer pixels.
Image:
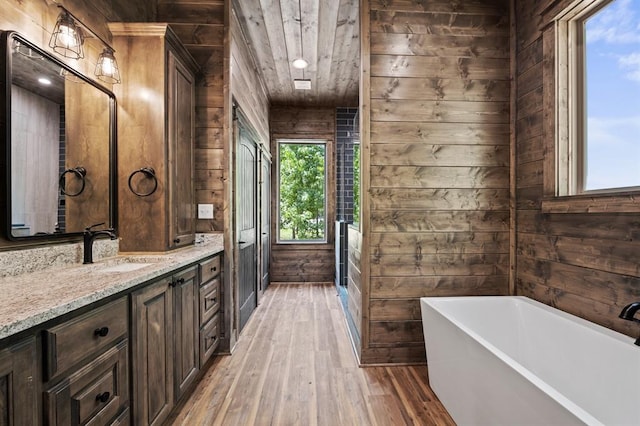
[
  {"x": 18, "y": 366},
  {"x": 181, "y": 128},
  {"x": 187, "y": 327},
  {"x": 152, "y": 363}
]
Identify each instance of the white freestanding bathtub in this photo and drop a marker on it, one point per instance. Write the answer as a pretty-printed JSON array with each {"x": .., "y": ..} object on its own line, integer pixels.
[{"x": 514, "y": 361}]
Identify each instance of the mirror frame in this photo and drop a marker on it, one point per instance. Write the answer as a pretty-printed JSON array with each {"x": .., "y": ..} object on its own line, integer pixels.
[{"x": 6, "y": 40}]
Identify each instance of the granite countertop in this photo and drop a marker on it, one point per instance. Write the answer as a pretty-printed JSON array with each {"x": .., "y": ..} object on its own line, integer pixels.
[{"x": 31, "y": 299}]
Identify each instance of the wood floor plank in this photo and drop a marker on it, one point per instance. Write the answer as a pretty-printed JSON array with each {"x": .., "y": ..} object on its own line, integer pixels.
[{"x": 294, "y": 365}]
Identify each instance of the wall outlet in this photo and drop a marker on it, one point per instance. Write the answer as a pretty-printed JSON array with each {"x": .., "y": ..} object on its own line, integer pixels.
[{"x": 205, "y": 211}]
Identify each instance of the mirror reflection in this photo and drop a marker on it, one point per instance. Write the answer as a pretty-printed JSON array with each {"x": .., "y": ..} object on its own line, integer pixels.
[{"x": 60, "y": 146}]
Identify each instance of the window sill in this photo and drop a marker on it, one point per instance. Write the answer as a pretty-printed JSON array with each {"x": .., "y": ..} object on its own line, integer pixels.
[
  {"x": 628, "y": 202},
  {"x": 302, "y": 244}
]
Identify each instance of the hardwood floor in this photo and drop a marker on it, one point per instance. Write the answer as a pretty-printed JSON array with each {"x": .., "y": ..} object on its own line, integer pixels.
[{"x": 294, "y": 365}]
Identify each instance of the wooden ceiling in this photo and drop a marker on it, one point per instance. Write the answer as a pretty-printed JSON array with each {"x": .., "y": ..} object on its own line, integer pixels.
[{"x": 326, "y": 33}]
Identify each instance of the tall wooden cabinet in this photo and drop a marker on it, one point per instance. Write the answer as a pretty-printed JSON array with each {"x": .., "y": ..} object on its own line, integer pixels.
[{"x": 156, "y": 116}]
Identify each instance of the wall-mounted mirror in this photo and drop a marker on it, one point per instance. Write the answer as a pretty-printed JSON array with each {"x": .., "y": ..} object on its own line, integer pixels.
[{"x": 58, "y": 146}]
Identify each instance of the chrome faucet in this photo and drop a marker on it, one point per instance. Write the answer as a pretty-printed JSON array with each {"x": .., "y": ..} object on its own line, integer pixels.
[
  {"x": 628, "y": 313},
  {"x": 90, "y": 235}
]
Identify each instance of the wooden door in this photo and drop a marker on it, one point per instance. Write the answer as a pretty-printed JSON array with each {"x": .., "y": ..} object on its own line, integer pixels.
[
  {"x": 18, "y": 401},
  {"x": 265, "y": 221},
  {"x": 152, "y": 363},
  {"x": 246, "y": 219},
  {"x": 187, "y": 326},
  {"x": 180, "y": 140}
]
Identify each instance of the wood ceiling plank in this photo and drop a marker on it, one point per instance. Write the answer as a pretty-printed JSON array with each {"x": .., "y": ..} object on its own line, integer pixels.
[
  {"x": 273, "y": 23},
  {"x": 324, "y": 33},
  {"x": 327, "y": 24},
  {"x": 251, "y": 20},
  {"x": 346, "y": 50},
  {"x": 290, "y": 10},
  {"x": 310, "y": 11}
]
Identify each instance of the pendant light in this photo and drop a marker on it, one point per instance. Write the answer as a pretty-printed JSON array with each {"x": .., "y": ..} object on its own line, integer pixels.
[
  {"x": 66, "y": 38},
  {"x": 107, "y": 67}
]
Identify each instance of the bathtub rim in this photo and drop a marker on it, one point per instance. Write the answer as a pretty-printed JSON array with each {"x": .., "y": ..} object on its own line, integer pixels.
[{"x": 565, "y": 402}]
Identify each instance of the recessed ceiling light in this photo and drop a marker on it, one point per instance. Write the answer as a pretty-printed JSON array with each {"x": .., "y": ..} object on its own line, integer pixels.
[
  {"x": 302, "y": 84},
  {"x": 300, "y": 63},
  {"x": 44, "y": 81}
]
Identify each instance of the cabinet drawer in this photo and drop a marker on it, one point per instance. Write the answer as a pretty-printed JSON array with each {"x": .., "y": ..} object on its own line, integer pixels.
[
  {"x": 84, "y": 335},
  {"x": 209, "y": 269},
  {"x": 209, "y": 300},
  {"x": 95, "y": 394},
  {"x": 123, "y": 419},
  {"x": 209, "y": 339}
]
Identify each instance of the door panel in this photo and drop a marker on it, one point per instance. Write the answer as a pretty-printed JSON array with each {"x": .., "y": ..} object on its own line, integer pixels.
[
  {"x": 265, "y": 222},
  {"x": 246, "y": 214}
]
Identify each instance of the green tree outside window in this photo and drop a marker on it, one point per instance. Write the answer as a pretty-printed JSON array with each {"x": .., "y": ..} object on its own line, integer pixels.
[{"x": 302, "y": 191}]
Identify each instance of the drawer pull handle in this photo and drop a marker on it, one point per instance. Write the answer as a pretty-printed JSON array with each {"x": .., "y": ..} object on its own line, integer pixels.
[
  {"x": 101, "y": 332},
  {"x": 177, "y": 241},
  {"x": 176, "y": 282},
  {"x": 103, "y": 397},
  {"x": 213, "y": 269}
]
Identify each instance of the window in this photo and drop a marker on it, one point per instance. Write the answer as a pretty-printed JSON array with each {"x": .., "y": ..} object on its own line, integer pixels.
[
  {"x": 302, "y": 188},
  {"x": 598, "y": 97}
]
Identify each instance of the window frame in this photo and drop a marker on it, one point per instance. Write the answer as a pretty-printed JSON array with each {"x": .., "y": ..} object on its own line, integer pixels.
[
  {"x": 565, "y": 87},
  {"x": 325, "y": 143}
]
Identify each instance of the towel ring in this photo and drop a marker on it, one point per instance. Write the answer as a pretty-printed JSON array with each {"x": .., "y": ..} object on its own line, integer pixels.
[
  {"x": 80, "y": 173},
  {"x": 148, "y": 172}
]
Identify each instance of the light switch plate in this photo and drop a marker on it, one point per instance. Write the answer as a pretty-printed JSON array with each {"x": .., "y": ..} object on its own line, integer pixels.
[{"x": 205, "y": 211}]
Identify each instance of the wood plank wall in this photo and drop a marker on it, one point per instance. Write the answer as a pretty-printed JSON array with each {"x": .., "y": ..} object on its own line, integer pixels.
[
  {"x": 35, "y": 19},
  {"x": 304, "y": 262},
  {"x": 247, "y": 86},
  {"x": 439, "y": 164},
  {"x": 354, "y": 285},
  {"x": 200, "y": 27},
  {"x": 582, "y": 263}
]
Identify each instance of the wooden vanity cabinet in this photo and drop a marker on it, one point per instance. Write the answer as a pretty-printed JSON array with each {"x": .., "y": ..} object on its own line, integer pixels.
[
  {"x": 156, "y": 127},
  {"x": 87, "y": 367},
  {"x": 120, "y": 362},
  {"x": 18, "y": 394},
  {"x": 165, "y": 344}
]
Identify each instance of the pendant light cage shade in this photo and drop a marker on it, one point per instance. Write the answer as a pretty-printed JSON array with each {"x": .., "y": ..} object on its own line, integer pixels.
[
  {"x": 107, "y": 67},
  {"x": 66, "y": 38}
]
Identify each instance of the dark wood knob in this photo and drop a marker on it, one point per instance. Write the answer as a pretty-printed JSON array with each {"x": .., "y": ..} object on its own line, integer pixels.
[
  {"x": 101, "y": 332},
  {"x": 214, "y": 268},
  {"x": 103, "y": 397},
  {"x": 177, "y": 240}
]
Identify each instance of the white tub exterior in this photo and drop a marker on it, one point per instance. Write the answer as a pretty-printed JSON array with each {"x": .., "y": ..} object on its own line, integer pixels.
[{"x": 514, "y": 361}]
